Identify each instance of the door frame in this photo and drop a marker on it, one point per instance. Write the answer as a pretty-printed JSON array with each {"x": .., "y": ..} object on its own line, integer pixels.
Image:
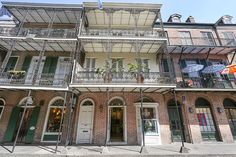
[
  {"x": 124, "y": 125},
  {"x": 78, "y": 129},
  {"x": 154, "y": 105}
]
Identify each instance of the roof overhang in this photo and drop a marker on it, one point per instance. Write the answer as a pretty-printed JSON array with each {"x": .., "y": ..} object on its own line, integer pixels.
[
  {"x": 189, "y": 49},
  {"x": 146, "y": 88},
  {"x": 205, "y": 89},
  {"x": 25, "y": 87},
  {"x": 44, "y": 12},
  {"x": 29, "y": 44}
]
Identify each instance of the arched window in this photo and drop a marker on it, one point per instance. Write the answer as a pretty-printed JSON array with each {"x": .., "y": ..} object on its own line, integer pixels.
[
  {"x": 2, "y": 104},
  {"x": 206, "y": 120},
  {"x": 53, "y": 120}
]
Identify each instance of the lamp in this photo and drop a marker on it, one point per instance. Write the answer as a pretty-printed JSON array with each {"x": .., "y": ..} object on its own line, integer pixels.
[
  {"x": 29, "y": 100},
  {"x": 220, "y": 109},
  {"x": 190, "y": 110}
]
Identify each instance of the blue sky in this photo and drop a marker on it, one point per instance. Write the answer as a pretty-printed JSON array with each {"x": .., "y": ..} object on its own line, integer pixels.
[{"x": 207, "y": 11}]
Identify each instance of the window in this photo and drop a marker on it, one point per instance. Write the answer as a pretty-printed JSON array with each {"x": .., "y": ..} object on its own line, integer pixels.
[
  {"x": 90, "y": 64},
  {"x": 90, "y": 67},
  {"x": 185, "y": 38},
  {"x": 208, "y": 38},
  {"x": 53, "y": 121},
  {"x": 2, "y": 103},
  {"x": 229, "y": 39},
  {"x": 149, "y": 121},
  {"x": 11, "y": 64}
]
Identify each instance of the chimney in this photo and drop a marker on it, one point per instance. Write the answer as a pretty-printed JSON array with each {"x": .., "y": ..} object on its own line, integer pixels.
[
  {"x": 175, "y": 18},
  {"x": 190, "y": 19}
]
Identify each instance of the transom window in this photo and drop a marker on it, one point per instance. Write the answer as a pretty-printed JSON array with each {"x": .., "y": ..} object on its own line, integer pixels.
[{"x": 116, "y": 102}]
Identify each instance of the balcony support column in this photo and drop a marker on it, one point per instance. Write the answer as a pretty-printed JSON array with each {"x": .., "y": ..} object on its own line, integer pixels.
[
  {"x": 13, "y": 43},
  {"x": 61, "y": 122},
  {"x": 183, "y": 149},
  {"x": 41, "y": 54},
  {"x": 21, "y": 120},
  {"x": 231, "y": 62}
]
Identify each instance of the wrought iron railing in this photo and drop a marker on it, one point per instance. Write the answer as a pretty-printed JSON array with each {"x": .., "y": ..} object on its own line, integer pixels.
[
  {"x": 201, "y": 41},
  {"x": 222, "y": 82},
  {"x": 38, "y": 32},
  {"x": 91, "y": 77},
  {"x": 123, "y": 33},
  {"x": 43, "y": 79}
]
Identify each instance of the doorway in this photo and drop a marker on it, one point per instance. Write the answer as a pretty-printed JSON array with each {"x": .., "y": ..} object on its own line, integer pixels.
[
  {"x": 230, "y": 110},
  {"x": 176, "y": 121},
  {"x": 117, "y": 121},
  {"x": 85, "y": 126},
  {"x": 117, "y": 124}
]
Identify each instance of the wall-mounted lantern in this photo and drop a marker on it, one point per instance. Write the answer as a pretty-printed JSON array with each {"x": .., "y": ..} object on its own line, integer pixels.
[
  {"x": 190, "y": 110},
  {"x": 220, "y": 109}
]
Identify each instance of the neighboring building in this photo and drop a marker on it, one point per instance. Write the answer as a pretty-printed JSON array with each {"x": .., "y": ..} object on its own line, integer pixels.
[{"x": 89, "y": 71}]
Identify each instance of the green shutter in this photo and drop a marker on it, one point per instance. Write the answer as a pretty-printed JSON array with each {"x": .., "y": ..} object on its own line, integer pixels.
[
  {"x": 26, "y": 63},
  {"x": 53, "y": 65},
  {"x": 33, "y": 121},
  {"x": 182, "y": 63},
  {"x": 50, "y": 65},
  {"x": 11, "y": 64},
  {"x": 12, "y": 124},
  {"x": 47, "y": 65}
]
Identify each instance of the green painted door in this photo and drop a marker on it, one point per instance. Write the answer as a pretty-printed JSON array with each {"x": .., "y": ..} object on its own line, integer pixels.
[
  {"x": 176, "y": 124},
  {"x": 32, "y": 125},
  {"x": 12, "y": 124}
]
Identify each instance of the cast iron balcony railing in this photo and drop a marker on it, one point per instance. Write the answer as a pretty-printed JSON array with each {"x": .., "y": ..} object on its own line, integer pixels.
[
  {"x": 43, "y": 79},
  {"x": 223, "y": 82},
  {"x": 201, "y": 41},
  {"x": 122, "y": 33},
  {"x": 92, "y": 77},
  {"x": 38, "y": 33}
]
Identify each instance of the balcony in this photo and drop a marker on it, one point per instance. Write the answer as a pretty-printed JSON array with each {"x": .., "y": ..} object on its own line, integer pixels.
[
  {"x": 91, "y": 77},
  {"x": 20, "y": 78},
  {"x": 121, "y": 34},
  {"x": 213, "y": 82},
  {"x": 38, "y": 33}
]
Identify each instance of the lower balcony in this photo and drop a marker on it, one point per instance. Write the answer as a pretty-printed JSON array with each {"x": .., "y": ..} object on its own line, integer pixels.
[
  {"x": 92, "y": 77},
  {"x": 22, "y": 79}
]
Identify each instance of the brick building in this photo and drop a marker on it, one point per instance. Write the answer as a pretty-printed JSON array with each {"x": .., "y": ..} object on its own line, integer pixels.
[{"x": 79, "y": 74}]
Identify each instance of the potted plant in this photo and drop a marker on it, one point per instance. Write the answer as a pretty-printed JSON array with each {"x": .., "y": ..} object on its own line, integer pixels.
[
  {"x": 104, "y": 72},
  {"x": 135, "y": 72}
]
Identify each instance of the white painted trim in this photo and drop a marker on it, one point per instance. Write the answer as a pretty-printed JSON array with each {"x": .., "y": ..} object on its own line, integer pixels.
[
  {"x": 147, "y": 105},
  {"x": 78, "y": 121},
  {"x": 47, "y": 116},
  {"x": 123, "y": 85},
  {"x": 124, "y": 122},
  {"x": 4, "y": 103},
  {"x": 27, "y": 87},
  {"x": 117, "y": 97},
  {"x": 155, "y": 38}
]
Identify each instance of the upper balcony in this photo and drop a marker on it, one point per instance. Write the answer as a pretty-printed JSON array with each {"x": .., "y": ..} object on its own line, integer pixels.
[
  {"x": 37, "y": 33},
  {"x": 201, "y": 45},
  {"x": 119, "y": 34}
]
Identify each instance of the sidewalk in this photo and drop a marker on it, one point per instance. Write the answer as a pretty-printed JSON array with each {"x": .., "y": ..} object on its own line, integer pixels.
[{"x": 172, "y": 150}]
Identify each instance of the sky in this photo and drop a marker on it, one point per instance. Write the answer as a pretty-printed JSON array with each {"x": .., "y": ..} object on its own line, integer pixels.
[{"x": 204, "y": 11}]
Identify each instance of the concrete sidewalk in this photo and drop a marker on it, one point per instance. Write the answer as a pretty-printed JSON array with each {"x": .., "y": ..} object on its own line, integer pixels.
[{"x": 172, "y": 150}]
